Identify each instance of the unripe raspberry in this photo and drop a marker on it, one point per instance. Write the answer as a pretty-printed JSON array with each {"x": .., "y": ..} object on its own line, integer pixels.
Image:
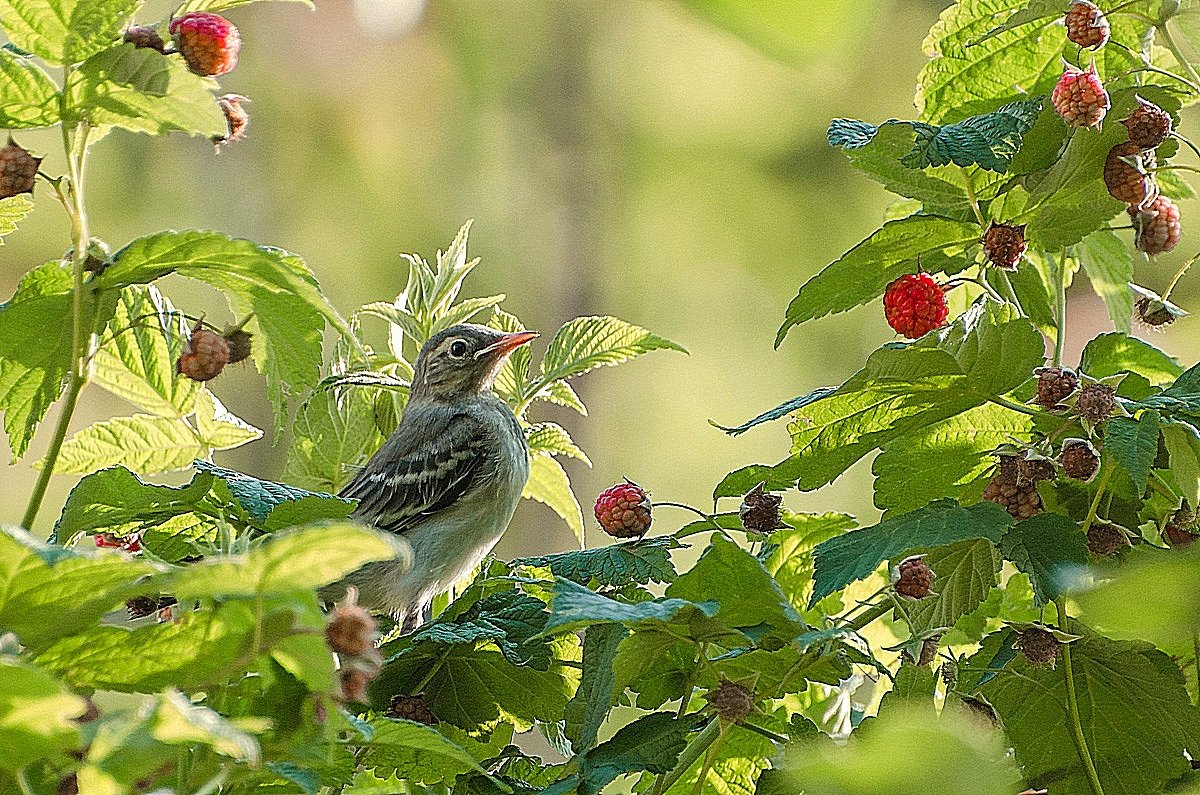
[
  {"x": 915, "y": 578},
  {"x": 236, "y": 119},
  {"x": 1079, "y": 458},
  {"x": 623, "y": 510},
  {"x": 145, "y": 37},
  {"x": 1080, "y": 98},
  {"x": 731, "y": 701},
  {"x": 914, "y": 305},
  {"x": 1016, "y": 494},
  {"x": 1104, "y": 539},
  {"x": 759, "y": 511},
  {"x": 1148, "y": 125},
  {"x": 238, "y": 341},
  {"x": 1055, "y": 384},
  {"x": 350, "y": 630},
  {"x": 1004, "y": 245},
  {"x": 1182, "y": 528},
  {"x": 1086, "y": 24},
  {"x": 18, "y": 170},
  {"x": 412, "y": 708},
  {"x": 1157, "y": 227},
  {"x": 1096, "y": 402},
  {"x": 204, "y": 356},
  {"x": 208, "y": 42},
  {"x": 1127, "y": 174},
  {"x": 1039, "y": 646}
]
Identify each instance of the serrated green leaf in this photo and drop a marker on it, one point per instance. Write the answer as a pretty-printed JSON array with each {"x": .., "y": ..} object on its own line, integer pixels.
[
  {"x": 219, "y": 429},
  {"x": 588, "y": 708},
  {"x": 549, "y": 485},
  {"x": 28, "y": 97},
  {"x": 1183, "y": 447},
  {"x": 552, "y": 438},
  {"x": 846, "y": 558},
  {"x": 1112, "y": 353},
  {"x": 572, "y": 607},
  {"x": 220, "y": 6},
  {"x": 333, "y": 433},
  {"x": 862, "y": 273},
  {"x": 510, "y": 619},
  {"x": 1134, "y": 444},
  {"x": 966, "y": 572},
  {"x": 12, "y": 212},
  {"x": 614, "y": 566},
  {"x": 1048, "y": 547},
  {"x": 790, "y": 561},
  {"x": 143, "y": 443},
  {"x": 65, "y": 31},
  {"x": 651, "y": 743},
  {"x": 38, "y": 715},
  {"x": 560, "y": 393},
  {"x": 1109, "y": 267},
  {"x": 415, "y": 752},
  {"x": 586, "y": 343}
]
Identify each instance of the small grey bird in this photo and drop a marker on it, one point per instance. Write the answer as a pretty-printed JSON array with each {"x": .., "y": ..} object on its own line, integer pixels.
[{"x": 450, "y": 476}]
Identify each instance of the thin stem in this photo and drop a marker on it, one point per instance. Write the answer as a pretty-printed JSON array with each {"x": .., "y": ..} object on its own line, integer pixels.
[
  {"x": 708, "y": 517},
  {"x": 878, "y": 611},
  {"x": 1000, "y": 400},
  {"x": 433, "y": 669},
  {"x": 74, "y": 387},
  {"x": 1085, "y": 755},
  {"x": 1179, "y": 136},
  {"x": 1060, "y": 310},
  {"x": 1174, "y": 167},
  {"x": 1095, "y": 506},
  {"x": 770, "y": 735},
  {"x": 1173, "y": 46},
  {"x": 23, "y": 783},
  {"x": 969, "y": 187},
  {"x": 1179, "y": 275},
  {"x": 708, "y": 760},
  {"x": 1011, "y": 292},
  {"x": 693, "y": 751}
]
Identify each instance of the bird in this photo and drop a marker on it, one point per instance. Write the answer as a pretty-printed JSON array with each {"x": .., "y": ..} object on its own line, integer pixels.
[{"x": 449, "y": 477}]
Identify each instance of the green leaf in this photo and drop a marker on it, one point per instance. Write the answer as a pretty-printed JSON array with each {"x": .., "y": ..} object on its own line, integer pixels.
[
  {"x": 143, "y": 443},
  {"x": 142, "y": 90},
  {"x": 1049, "y": 548},
  {"x": 12, "y": 212},
  {"x": 1135, "y": 715},
  {"x": 220, "y": 6},
  {"x": 589, "y": 707},
  {"x": 28, "y": 97},
  {"x": 1109, "y": 267},
  {"x": 218, "y": 429},
  {"x": 734, "y": 766},
  {"x": 1134, "y": 445},
  {"x": 862, "y": 273},
  {"x": 65, "y": 31},
  {"x": 1112, "y": 353},
  {"x": 966, "y": 572},
  {"x": 549, "y": 485},
  {"x": 573, "y": 607},
  {"x": 1152, "y": 597},
  {"x": 586, "y": 343},
  {"x": 790, "y": 561},
  {"x": 651, "y": 743},
  {"x": 560, "y": 393},
  {"x": 846, "y": 558},
  {"x": 549, "y": 437},
  {"x": 38, "y": 716},
  {"x": 47, "y": 592},
  {"x": 415, "y": 752},
  {"x": 276, "y": 286},
  {"x": 333, "y": 433},
  {"x": 641, "y": 562},
  {"x": 513, "y": 621}
]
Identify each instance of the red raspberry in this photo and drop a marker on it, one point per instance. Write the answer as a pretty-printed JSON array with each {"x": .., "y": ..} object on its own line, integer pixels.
[
  {"x": 1127, "y": 174},
  {"x": 1148, "y": 125},
  {"x": 209, "y": 42},
  {"x": 624, "y": 510},
  {"x": 1004, "y": 245},
  {"x": 205, "y": 355},
  {"x": 1086, "y": 24},
  {"x": 18, "y": 169},
  {"x": 130, "y": 543},
  {"x": 1055, "y": 384},
  {"x": 1157, "y": 226},
  {"x": 1080, "y": 98},
  {"x": 236, "y": 118},
  {"x": 914, "y": 305},
  {"x": 144, "y": 36},
  {"x": 915, "y": 578}
]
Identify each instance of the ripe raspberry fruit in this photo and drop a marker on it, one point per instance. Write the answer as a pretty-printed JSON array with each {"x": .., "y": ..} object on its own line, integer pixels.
[
  {"x": 204, "y": 356},
  {"x": 350, "y": 629},
  {"x": 1079, "y": 97},
  {"x": 1127, "y": 174},
  {"x": 130, "y": 543},
  {"x": 412, "y": 708},
  {"x": 18, "y": 170},
  {"x": 1086, "y": 24},
  {"x": 1079, "y": 459},
  {"x": 1104, "y": 539},
  {"x": 731, "y": 701},
  {"x": 1096, "y": 402},
  {"x": 1016, "y": 494},
  {"x": 236, "y": 118},
  {"x": 914, "y": 578},
  {"x": 143, "y": 36},
  {"x": 1148, "y": 125},
  {"x": 1004, "y": 245},
  {"x": 209, "y": 42},
  {"x": 914, "y": 305},
  {"x": 238, "y": 341},
  {"x": 1157, "y": 227},
  {"x": 623, "y": 510},
  {"x": 1055, "y": 384},
  {"x": 759, "y": 511},
  {"x": 1039, "y": 646}
]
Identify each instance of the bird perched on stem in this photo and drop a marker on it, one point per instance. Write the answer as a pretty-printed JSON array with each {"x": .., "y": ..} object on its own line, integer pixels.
[{"x": 450, "y": 476}]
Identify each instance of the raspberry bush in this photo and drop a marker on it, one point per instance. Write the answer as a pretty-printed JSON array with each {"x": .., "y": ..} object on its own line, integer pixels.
[{"x": 1022, "y": 615}]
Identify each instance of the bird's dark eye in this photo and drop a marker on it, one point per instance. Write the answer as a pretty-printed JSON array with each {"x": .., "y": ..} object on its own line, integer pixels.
[{"x": 458, "y": 349}]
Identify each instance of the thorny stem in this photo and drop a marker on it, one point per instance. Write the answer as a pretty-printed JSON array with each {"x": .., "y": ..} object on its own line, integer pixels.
[
  {"x": 1173, "y": 46},
  {"x": 969, "y": 186},
  {"x": 1060, "y": 311},
  {"x": 1095, "y": 506},
  {"x": 1000, "y": 400},
  {"x": 1085, "y": 755},
  {"x": 1179, "y": 275},
  {"x": 693, "y": 751}
]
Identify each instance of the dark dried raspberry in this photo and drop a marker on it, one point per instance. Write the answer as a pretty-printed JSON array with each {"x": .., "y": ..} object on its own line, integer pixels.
[
  {"x": 1019, "y": 497},
  {"x": 236, "y": 119},
  {"x": 1079, "y": 459},
  {"x": 914, "y": 305},
  {"x": 1079, "y": 97},
  {"x": 1157, "y": 226},
  {"x": 731, "y": 701},
  {"x": 239, "y": 342},
  {"x": 1086, "y": 24},
  {"x": 1154, "y": 313},
  {"x": 1148, "y": 125},
  {"x": 624, "y": 510},
  {"x": 1039, "y": 646},
  {"x": 1183, "y": 527},
  {"x": 18, "y": 170},
  {"x": 142, "y": 606},
  {"x": 1096, "y": 402},
  {"x": 1004, "y": 245},
  {"x": 145, "y": 37},
  {"x": 759, "y": 511},
  {"x": 915, "y": 578},
  {"x": 1055, "y": 384},
  {"x": 412, "y": 708},
  {"x": 205, "y": 355},
  {"x": 1104, "y": 539},
  {"x": 1128, "y": 174},
  {"x": 1031, "y": 470}
]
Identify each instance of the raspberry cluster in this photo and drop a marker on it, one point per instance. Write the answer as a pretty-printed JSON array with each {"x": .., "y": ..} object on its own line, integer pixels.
[
  {"x": 350, "y": 632},
  {"x": 1014, "y": 485},
  {"x": 914, "y": 305},
  {"x": 1129, "y": 177}
]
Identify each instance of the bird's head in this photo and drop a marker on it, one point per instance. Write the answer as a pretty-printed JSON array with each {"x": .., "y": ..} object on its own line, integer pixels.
[{"x": 463, "y": 360}]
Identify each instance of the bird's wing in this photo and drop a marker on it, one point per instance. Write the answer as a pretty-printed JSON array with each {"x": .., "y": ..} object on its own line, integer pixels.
[{"x": 419, "y": 471}]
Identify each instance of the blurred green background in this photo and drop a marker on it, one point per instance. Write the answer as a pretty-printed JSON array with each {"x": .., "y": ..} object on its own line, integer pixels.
[{"x": 664, "y": 162}]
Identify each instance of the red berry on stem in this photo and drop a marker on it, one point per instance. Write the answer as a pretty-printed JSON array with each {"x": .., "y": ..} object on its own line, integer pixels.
[
  {"x": 1086, "y": 24},
  {"x": 18, "y": 169},
  {"x": 209, "y": 42},
  {"x": 1148, "y": 125},
  {"x": 1004, "y": 245},
  {"x": 914, "y": 305},
  {"x": 204, "y": 356},
  {"x": 1080, "y": 98},
  {"x": 1127, "y": 174},
  {"x": 915, "y": 578},
  {"x": 623, "y": 510},
  {"x": 1157, "y": 226}
]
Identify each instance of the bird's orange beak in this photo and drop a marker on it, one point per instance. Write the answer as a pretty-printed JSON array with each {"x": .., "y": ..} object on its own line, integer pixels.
[{"x": 507, "y": 344}]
